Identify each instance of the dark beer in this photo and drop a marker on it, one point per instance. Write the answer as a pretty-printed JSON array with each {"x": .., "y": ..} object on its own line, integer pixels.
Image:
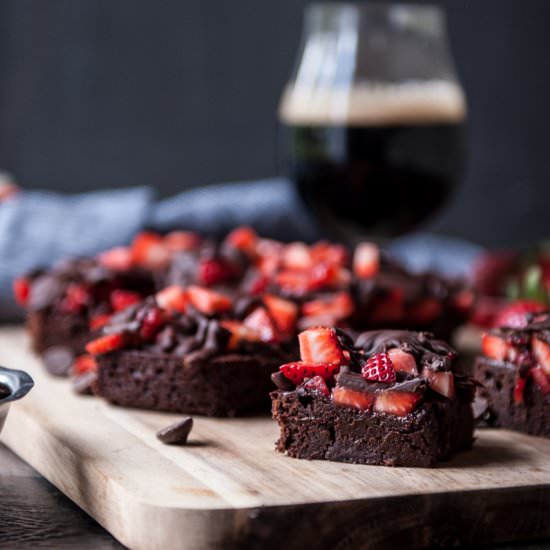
[{"x": 378, "y": 173}]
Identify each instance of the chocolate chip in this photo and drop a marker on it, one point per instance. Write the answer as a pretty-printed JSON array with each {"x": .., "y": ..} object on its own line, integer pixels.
[
  {"x": 83, "y": 383},
  {"x": 58, "y": 360},
  {"x": 177, "y": 433},
  {"x": 281, "y": 381}
]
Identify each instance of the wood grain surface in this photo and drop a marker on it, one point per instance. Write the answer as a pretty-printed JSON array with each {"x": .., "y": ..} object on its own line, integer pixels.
[{"x": 228, "y": 488}]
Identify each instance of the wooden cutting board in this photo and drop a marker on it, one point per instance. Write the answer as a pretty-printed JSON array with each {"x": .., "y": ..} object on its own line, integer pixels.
[{"x": 228, "y": 488}]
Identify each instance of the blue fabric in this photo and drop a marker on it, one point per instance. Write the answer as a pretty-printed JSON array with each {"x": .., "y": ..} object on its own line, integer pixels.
[{"x": 39, "y": 228}]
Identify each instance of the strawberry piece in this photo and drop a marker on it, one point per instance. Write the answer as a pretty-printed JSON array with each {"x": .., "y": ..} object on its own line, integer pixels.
[
  {"x": 541, "y": 351},
  {"x": 260, "y": 321},
  {"x": 177, "y": 241},
  {"x": 296, "y": 256},
  {"x": 149, "y": 250},
  {"x": 320, "y": 345},
  {"x": 485, "y": 311},
  {"x": 121, "y": 299},
  {"x": 152, "y": 322},
  {"x": 541, "y": 378},
  {"x": 396, "y": 402},
  {"x": 515, "y": 315},
  {"x": 258, "y": 285},
  {"x": 325, "y": 252},
  {"x": 213, "y": 271},
  {"x": 442, "y": 382},
  {"x": 339, "y": 306},
  {"x": 269, "y": 265},
  {"x": 463, "y": 301},
  {"x": 299, "y": 370},
  {"x": 117, "y": 259},
  {"x": 379, "y": 368},
  {"x": 207, "y": 301},
  {"x": 21, "y": 290},
  {"x": 390, "y": 308},
  {"x": 425, "y": 311},
  {"x": 494, "y": 347},
  {"x": 519, "y": 388},
  {"x": 99, "y": 321},
  {"x": 352, "y": 398},
  {"x": 283, "y": 312},
  {"x": 403, "y": 361},
  {"x": 366, "y": 260},
  {"x": 239, "y": 333},
  {"x": 296, "y": 283},
  {"x": 317, "y": 384},
  {"x": 324, "y": 276},
  {"x": 244, "y": 239},
  {"x": 105, "y": 344},
  {"x": 84, "y": 363},
  {"x": 77, "y": 297},
  {"x": 172, "y": 298}
]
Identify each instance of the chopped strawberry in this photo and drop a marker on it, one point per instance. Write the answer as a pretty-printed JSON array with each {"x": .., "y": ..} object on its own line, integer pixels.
[
  {"x": 299, "y": 370},
  {"x": 260, "y": 321},
  {"x": 297, "y": 256},
  {"x": 425, "y": 311},
  {"x": 21, "y": 290},
  {"x": 320, "y": 345},
  {"x": 149, "y": 250},
  {"x": 121, "y": 299},
  {"x": 541, "y": 379},
  {"x": 98, "y": 321},
  {"x": 403, "y": 361},
  {"x": 366, "y": 260},
  {"x": 239, "y": 333},
  {"x": 442, "y": 382},
  {"x": 244, "y": 239},
  {"x": 541, "y": 351},
  {"x": 379, "y": 368},
  {"x": 76, "y": 298},
  {"x": 325, "y": 252},
  {"x": 389, "y": 308},
  {"x": 172, "y": 298},
  {"x": 338, "y": 306},
  {"x": 84, "y": 363},
  {"x": 494, "y": 347},
  {"x": 317, "y": 384},
  {"x": 207, "y": 301},
  {"x": 324, "y": 276},
  {"x": 152, "y": 322},
  {"x": 515, "y": 315},
  {"x": 396, "y": 402},
  {"x": 519, "y": 388},
  {"x": 268, "y": 265},
  {"x": 105, "y": 344},
  {"x": 257, "y": 285},
  {"x": 177, "y": 241},
  {"x": 213, "y": 271},
  {"x": 485, "y": 310},
  {"x": 352, "y": 398},
  {"x": 463, "y": 301},
  {"x": 283, "y": 312},
  {"x": 296, "y": 283},
  {"x": 117, "y": 259}
]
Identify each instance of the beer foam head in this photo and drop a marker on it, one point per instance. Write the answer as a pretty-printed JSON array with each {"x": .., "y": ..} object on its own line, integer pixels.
[{"x": 374, "y": 104}]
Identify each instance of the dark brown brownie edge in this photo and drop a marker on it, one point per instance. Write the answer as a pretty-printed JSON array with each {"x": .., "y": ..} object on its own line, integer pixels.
[
  {"x": 498, "y": 379},
  {"x": 313, "y": 427},
  {"x": 226, "y": 385}
]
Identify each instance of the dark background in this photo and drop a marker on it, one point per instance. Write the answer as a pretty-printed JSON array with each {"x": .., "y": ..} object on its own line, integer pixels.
[{"x": 111, "y": 93}]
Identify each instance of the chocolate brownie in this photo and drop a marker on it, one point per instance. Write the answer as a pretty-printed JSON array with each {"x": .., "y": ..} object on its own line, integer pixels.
[
  {"x": 514, "y": 373},
  {"x": 381, "y": 397}
]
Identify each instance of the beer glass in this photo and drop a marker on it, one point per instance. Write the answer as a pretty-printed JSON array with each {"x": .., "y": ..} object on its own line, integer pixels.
[{"x": 374, "y": 117}]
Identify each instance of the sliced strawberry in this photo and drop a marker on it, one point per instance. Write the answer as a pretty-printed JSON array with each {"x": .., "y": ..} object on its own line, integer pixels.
[
  {"x": 320, "y": 345},
  {"x": 177, "y": 241},
  {"x": 317, "y": 384},
  {"x": 324, "y": 276},
  {"x": 515, "y": 315},
  {"x": 77, "y": 297},
  {"x": 149, "y": 250},
  {"x": 366, "y": 260},
  {"x": 299, "y": 370},
  {"x": 239, "y": 333},
  {"x": 213, "y": 271},
  {"x": 325, "y": 252},
  {"x": 207, "y": 301},
  {"x": 98, "y": 321},
  {"x": 541, "y": 351},
  {"x": 84, "y": 363},
  {"x": 172, "y": 298},
  {"x": 338, "y": 306},
  {"x": 283, "y": 312},
  {"x": 396, "y": 402},
  {"x": 296, "y": 283},
  {"x": 244, "y": 239},
  {"x": 257, "y": 285},
  {"x": 519, "y": 388},
  {"x": 260, "y": 321},
  {"x": 105, "y": 344},
  {"x": 21, "y": 290},
  {"x": 117, "y": 259},
  {"x": 121, "y": 299},
  {"x": 379, "y": 368},
  {"x": 541, "y": 379},
  {"x": 442, "y": 382},
  {"x": 352, "y": 398},
  {"x": 403, "y": 361},
  {"x": 152, "y": 322},
  {"x": 390, "y": 308},
  {"x": 464, "y": 300},
  {"x": 425, "y": 311},
  {"x": 494, "y": 347},
  {"x": 297, "y": 256}
]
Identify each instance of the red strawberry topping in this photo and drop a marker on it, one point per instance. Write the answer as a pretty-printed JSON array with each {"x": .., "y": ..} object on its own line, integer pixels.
[
  {"x": 207, "y": 301},
  {"x": 541, "y": 379},
  {"x": 121, "y": 299},
  {"x": 541, "y": 351},
  {"x": 76, "y": 298},
  {"x": 105, "y": 344},
  {"x": 172, "y": 298},
  {"x": 514, "y": 315},
  {"x": 317, "y": 384},
  {"x": 403, "y": 361},
  {"x": 260, "y": 321},
  {"x": 244, "y": 239},
  {"x": 352, "y": 398},
  {"x": 21, "y": 290},
  {"x": 149, "y": 250},
  {"x": 338, "y": 306},
  {"x": 396, "y": 402},
  {"x": 84, "y": 363},
  {"x": 519, "y": 388},
  {"x": 117, "y": 259},
  {"x": 152, "y": 322},
  {"x": 98, "y": 321},
  {"x": 284, "y": 313},
  {"x": 213, "y": 271},
  {"x": 366, "y": 260},
  {"x": 494, "y": 347},
  {"x": 320, "y": 345},
  {"x": 296, "y": 372},
  {"x": 379, "y": 368},
  {"x": 177, "y": 241},
  {"x": 297, "y": 256},
  {"x": 442, "y": 382},
  {"x": 239, "y": 332}
]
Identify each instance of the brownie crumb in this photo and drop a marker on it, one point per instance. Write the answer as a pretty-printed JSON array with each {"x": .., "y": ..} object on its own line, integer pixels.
[{"x": 177, "y": 433}]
